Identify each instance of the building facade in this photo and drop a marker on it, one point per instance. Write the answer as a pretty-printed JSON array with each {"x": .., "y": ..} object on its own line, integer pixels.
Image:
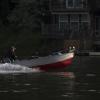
[
  {"x": 96, "y": 17},
  {"x": 73, "y": 22}
]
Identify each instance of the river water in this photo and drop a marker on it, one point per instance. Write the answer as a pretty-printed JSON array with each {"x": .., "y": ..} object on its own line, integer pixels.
[{"x": 81, "y": 81}]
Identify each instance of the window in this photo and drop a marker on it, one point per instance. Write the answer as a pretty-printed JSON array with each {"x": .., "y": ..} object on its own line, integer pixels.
[
  {"x": 74, "y": 23},
  {"x": 74, "y": 27},
  {"x": 70, "y": 3},
  {"x": 74, "y": 17},
  {"x": 84, "y": 17},
  {"x": 97, "y": 27},
  {"x": 63, "y": 22},
  {"x": 63, "y": 18},
  {"x": 84, "y": 22},
  {"x": 76, "y": 3}
]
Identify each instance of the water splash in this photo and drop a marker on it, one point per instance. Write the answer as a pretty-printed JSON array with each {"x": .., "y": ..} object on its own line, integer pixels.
[{"x": 12, "y": 68}]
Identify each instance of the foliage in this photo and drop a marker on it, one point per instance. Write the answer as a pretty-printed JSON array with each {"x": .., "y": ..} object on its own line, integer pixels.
[{"x": 20, "y": 23}]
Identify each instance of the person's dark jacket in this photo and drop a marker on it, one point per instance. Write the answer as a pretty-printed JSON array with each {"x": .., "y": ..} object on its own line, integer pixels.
[{"x": 10, "y": 54}]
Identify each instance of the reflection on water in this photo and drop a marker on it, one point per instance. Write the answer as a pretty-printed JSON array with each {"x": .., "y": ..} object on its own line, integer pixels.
[
  {"x": 48, "y": 85},
  {"x": 87, "y": 87},
  {"x": 87, "y": 78},
  {"x": 81, "y": 81}
]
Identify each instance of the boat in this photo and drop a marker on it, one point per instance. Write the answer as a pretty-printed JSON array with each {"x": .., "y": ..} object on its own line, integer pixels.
[{"x": 53, "y": 61}]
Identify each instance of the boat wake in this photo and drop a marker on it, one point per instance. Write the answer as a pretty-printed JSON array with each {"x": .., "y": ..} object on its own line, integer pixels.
[{"x": 12, "y": 68}]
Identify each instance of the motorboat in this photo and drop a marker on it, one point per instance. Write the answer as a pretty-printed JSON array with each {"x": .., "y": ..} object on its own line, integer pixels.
[{"x": 57, "y": 60}]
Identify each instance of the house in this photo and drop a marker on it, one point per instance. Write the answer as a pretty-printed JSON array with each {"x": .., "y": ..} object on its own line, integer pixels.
[
  {"x": 73, "y": 22},
  {"x": 96, "y": 27}
]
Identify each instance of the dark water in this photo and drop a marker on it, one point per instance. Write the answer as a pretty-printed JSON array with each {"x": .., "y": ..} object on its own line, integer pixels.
[{"x": 81, "y": 81}]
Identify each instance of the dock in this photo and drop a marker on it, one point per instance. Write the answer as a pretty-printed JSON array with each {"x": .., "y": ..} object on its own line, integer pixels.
[
  {"x": 94, "y": 53},
  {"x": 88, "y": 53}
]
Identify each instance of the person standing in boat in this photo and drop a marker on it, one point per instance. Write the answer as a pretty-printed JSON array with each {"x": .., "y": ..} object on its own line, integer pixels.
[{"x": 10, "y": 55}]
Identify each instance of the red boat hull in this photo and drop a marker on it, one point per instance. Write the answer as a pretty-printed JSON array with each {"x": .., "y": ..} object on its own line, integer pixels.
[{"x": 56, "y": 65}]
